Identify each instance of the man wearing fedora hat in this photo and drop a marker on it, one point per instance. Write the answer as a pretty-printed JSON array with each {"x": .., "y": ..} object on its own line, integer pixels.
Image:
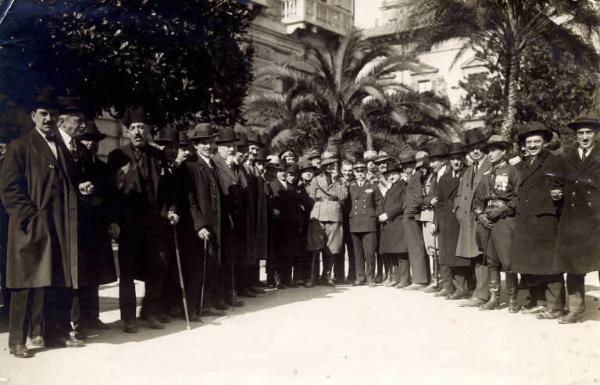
[
  {"x": 145, "y": 213},
  {"x": 494, "y": 208},
  {"x": 467, "y": 245},
  {"x": 325, "y": 232},
  {"x": 536, "y": 224},
  {"x": 576, "y": 247}
]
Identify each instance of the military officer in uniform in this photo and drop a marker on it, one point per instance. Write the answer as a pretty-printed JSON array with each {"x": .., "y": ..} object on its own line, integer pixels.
[
  {"x": 494, "y": 208},
  {"x": 577, "y": 251}
]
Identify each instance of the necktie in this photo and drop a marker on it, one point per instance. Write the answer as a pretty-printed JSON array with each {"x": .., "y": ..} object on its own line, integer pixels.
[
  {"x": 50, "y": 136},
  {"x": 475, "y": 169},
  {"x": 73, "y": 150}
]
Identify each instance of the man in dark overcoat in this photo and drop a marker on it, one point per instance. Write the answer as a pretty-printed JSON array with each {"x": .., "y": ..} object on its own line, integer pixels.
[
  {"x": 144, "y": 219},
  {"x": 364, "y": 197},
  {"x": 447, "y": 226},
  {"x": 390, "y": 211},
  {"x": 39, "y": 193},
  {"x": 233, "y": 183},
  {"x": 536, "y": 224},
  {"x": 463, "y": 204},
  {"x": 577, "y": 252}
]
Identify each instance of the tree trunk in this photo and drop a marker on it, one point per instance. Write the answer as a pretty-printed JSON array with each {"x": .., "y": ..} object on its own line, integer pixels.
[
  {"x": 368, "y": 135},
  {"x": 510, "y": 112}
]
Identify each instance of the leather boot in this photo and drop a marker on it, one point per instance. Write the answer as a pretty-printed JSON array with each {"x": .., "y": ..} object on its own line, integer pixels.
[
  {"x": 327, "y": 270},
  {"x": 310, "y": 282},
  {"x": 494, "y": 301},
  {"x": 512, "y": 282},
  {"x": 395, "y": 275}
]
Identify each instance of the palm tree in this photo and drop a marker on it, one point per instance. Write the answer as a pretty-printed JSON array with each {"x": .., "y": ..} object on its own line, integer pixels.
[
  {"x": 508, "y": 28},
  {"x": 349, "y": 87}
]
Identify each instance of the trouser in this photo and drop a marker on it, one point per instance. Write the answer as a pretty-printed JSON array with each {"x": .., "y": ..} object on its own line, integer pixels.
[
  {"x": 339, "y": 268},
  {"x": 419, "y": 265},
  {"x": 301, "y": 267},
  {"x": 142, "y": 242},
  {"x": 351, "y": 258},
  {"x": 380, "y": 265},
  {"x": 400, "y": 266},
  {"x": 364, "y": 254},
  {"x": 283, "y": 267},
  {"x": 57, "y": 313},
  {"x": 25, "y": 315},
  {"x": 463, "y": 280},
  {"x": 547, "y": 288},
  {"x": 4, "y": 291},
  {"x": 85, "y": 306},
  {"x": 446, "y": 277},
  {"x": 576, "y": 292}
]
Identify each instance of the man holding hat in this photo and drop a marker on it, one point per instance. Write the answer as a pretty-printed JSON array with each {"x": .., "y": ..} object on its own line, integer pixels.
[
  {"x": 494, "y": 209},
  {"x": 577, "y": 251},
  {"x": 145, "y": 216},
  {"x": 364, "y": 198},
  {"x": 325, "y": 229},
  {"x": 536, "y": 224},
  {"x": 467, "y": 245}
]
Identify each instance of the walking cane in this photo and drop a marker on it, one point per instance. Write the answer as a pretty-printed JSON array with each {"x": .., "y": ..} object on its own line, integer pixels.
[
  {"x": 203, "y": 275},
  {"x": 436, "y": 261},
  {"x": 181, "y": 284}
]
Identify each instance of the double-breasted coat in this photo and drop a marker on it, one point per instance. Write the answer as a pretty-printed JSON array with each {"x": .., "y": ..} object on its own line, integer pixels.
[
  {"x": 445, "y": 219},
  {"x": 536, "y": 219},
  {"x": 392, "y": 231},
  {"x": 362, "y": 217},
  {"x": 40, "y": 196},
  {"x": 463, "y": 204},
  {"x": 288, "y": 221},
  {"x": 577, "y": 249}
]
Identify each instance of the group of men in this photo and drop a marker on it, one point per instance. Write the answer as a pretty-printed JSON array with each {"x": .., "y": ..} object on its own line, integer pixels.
[{"x": 194, "y": 212}]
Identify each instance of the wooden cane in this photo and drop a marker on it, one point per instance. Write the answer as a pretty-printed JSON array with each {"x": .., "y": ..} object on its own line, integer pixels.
[{"x": 181, "y": 284}]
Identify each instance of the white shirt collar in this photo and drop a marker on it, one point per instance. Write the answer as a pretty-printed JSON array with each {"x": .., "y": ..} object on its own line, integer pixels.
[
  {"x": 65, "y": 137},
  {"x": 205, "y": 158},
  {"x": 587, "y": 153}
]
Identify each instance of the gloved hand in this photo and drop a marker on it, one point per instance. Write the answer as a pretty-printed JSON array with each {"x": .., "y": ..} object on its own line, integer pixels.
[
  {"x": 498, "y": 212},
  {"x": 485, "y": 221}
]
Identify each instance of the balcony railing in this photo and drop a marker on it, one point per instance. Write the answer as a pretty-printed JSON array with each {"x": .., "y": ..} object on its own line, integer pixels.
[
  {"x": 274, "y": 9},
  {"x": 301, "y": 13}
]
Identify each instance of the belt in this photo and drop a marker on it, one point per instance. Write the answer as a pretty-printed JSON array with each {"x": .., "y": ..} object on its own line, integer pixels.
[
  {"x": 496, "y": 203},
  {"x": 326, "y": 200}
]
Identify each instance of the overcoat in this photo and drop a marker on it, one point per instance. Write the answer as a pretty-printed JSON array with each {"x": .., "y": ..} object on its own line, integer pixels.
[
  {"x": 288, "y": 223},
  {"x": 263, "y": 225},
  {"x": 392, "y": 231},
  {"x": 250, "y": 194},
  {"x": 204, "y": 202},
  {"x": 577, "y": 250},
  {"x": 446, "y": 222},
  {"x": 233, "y": 184},
  {"x": 467, "y": 244},
  {"x": 536, "y": 220},
  {"x": 363, "y": 210},
  {"x": 41, "y": 200}
]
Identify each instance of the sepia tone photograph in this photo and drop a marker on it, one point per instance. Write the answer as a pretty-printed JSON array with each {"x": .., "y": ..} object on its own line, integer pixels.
[{"x": 302, "y": 192}]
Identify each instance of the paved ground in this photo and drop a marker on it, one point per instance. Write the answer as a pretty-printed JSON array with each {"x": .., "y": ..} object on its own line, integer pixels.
[{"x": 343, "y": 335}]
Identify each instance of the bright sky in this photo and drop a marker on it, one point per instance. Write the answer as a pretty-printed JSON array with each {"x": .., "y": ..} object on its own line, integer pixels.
[{"x": 366, "y": 13}]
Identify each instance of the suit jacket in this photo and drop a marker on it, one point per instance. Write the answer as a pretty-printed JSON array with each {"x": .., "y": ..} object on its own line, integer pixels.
[
  {"x": 288, "y": 222},
  {"x": 363, "y": 210},
  {"x": 392, "y": 231},
  {"x": 414, "y": 196},
  {"x": 577, "y": 251},
  {"x": 463, "y": 204},
  {"x": 328, "y": 199},
  {"x": 447, "y": 225},
  {"x": 41, "y": 199}
]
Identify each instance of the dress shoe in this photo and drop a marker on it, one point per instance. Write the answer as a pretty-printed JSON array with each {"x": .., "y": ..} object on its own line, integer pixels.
[
  {"x": 257, "y": 290},
  {"x": 175, "y": 311},
  {"x": 129, "y": 327},
  {"x": 513, "y": 305},
  {"x": 213, "y": 312},
  {"x": 154, "y": 323},
  {"x": 472, "y": 302},
  {"x": 80, "y": 332},
  {"x": 292, "y": 284},
  {"x": 401, "y": 285},
  {"x": 415, "y": 286},
  {"x": 164, "y": 318},
  {"x": 571, "y": 318},
  {"x": 433, "y": 288},
  {"x": 196, "y": 318},
  {"x": 96, "y": 324},
  {"x": 309, "y": 284},
  {"x": 234, "y": 303},
  {"x": 444, "y": 293},
  {"x": 371, "y": 284},
  {"x": 246, "y": 293},
  {"x": 20, "y": 351},
  {"x": 280, "y": 286},
  {"x": 298, "y": 282},
  {"x": 74, "y": 342},
  {"x": 492, "y": 304},
  {"x": 358, "y": 283},
  {"x": 37, "y": 341},
  {"x": 329, "y": 283},
  {"x": 549, "y": 314},
  {"x": 221, "y": 306},
  {"x": 536, "y": 309},
  {"x": 458, "y": 295}
]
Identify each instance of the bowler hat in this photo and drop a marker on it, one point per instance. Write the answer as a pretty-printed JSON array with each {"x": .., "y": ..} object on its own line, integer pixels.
[
  {"x": 534, "y": 128},
  {"x": 260, "y": 155},
  {"x": 134, "y": 114},
  {"x": 438, "y": 150},
  {"x": 46, "y": 99},
  {"x": 496, "y": 141},
  {"x": 474, "y": 137},
  {"x": 588, "y": 119},
  {"x": 91, "y": 132},
  {"x": 274, "y": 163},
  {"x": 255, "y": 138},
  {"x": 227, "y": 136},
  {"x": 201, "y": 131},
  {"x": 183, "y": 137},
  {"x": 167, "y": 135},
  {"x": 394, "y": 167},
  {"x": 455, "y": 149},
  {"x": 242, "y": 140},
  {"x": 70, "y": 105},
  {"x": 382, "y": 157},
  {"x": 292, "y": 168}
]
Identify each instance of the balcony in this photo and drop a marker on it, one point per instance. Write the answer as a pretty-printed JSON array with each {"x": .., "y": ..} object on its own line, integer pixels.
[{"x": 315, "y": 13}]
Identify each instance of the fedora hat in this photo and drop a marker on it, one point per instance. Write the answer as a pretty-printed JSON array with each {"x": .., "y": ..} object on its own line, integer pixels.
[
  {"x": 255, "y": 138},
  {"x": 534, "y": 128},
  {"x": 370, "y": 155},
  {"x": 382, "y": 157},
  {"x": 227, "y": 135},
  {"x": 91, "y": 132},
  {"x": 134, "y": 114},
  {"x": 438, "y": 150},
  {"x": 70, "y": 105},
  {"x": 260, "y": 155},
  {"x": 394, "y": 167},
  {"x": 473, "y": 138},
  {"x": 305, "y": 164},
  {"x": 292, "y": 168},
  {"x": 274, "y": 163},
  {"x": 313, "y": 153},
  {"x": 167, "y": 135},
  {"x": 183, "y": 137},
  {"x": 406, "y": 158},
  {"x": 201, "y": 131},
  {"x": 329, "y": 157},
  {"x": 421, "y": 158},
  {"x": 496, "y": 141},
  {"x": 242, "y": 140},
  {"x": 286, "y": 153},
  {"x": 589, "y": 119},
  {"x": 455, "y": 149}
]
